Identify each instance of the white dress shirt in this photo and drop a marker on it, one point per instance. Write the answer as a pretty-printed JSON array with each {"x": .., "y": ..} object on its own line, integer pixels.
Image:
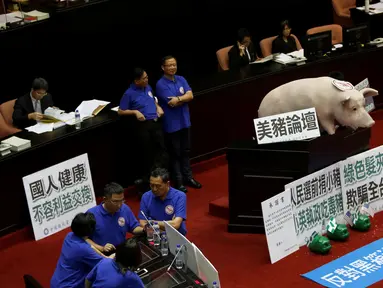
[{"x": 36, "y": 104}]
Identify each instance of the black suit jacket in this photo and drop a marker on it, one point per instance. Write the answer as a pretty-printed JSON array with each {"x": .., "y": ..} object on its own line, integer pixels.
[
  {"x": 236, "y": 61},
  {"x": 24, "y": 106},
  {"x": 280, "y": 46}
]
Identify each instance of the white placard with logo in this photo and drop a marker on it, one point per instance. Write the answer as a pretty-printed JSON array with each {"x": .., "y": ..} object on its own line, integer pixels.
[
  {"x": 316, "y": 198},
  {"x": 56, "y": 194},
  {"x": 369, "y": 105},
  {"x": 291, "y": 126},
  {"x": 279, "y": 226}
]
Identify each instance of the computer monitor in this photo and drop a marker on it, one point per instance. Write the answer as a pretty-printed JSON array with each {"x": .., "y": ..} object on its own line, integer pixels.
[
  {"x": 318, "y": 44},
  {"x": 356, "y": 36}
]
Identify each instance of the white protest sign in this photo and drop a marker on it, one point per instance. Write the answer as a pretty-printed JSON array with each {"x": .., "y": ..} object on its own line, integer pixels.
[
  {"x": 56, "y": 194},
  {"x": 362, "y": 180},
  {"x": 316, "y": 198},
  {"x": 291, "y": 126},
  {"x": 369, "y": 105},
  {"x": 279, "y": 226}
]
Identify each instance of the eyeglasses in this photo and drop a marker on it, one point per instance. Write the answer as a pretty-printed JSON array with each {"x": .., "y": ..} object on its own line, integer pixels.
[
  {"x": 116, "y": 202},
  {"x": 171, "y": 65},
  {"x": 41, "y": 93}
]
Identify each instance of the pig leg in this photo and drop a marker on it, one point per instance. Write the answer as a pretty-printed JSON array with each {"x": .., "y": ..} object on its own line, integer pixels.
[{"x": 328, "y": 125}]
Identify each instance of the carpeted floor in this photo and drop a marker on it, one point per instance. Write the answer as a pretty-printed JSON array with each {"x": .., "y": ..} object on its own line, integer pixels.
[{"x": 241, "y": 259}]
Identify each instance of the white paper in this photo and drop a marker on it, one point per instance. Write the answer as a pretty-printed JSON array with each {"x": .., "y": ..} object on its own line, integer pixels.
[
  {"x": 115, "y": 108},
  {"x": 263, "y": 60},
  {"x": 56, "y": 194},
  {"x": 279, "y": 226},
  {"x": 87, "y": 108},
  {"x": 40, "y": 128},
  {"x": 290, "y": 126}
]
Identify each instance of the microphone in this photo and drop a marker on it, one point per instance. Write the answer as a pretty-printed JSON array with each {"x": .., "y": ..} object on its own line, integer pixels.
[
  {"x": 175, "y": 257},
  {"x": 142, "y": 212}
]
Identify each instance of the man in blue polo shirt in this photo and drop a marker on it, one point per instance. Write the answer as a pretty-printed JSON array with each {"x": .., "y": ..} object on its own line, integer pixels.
[
  {"x": 139, "y": 102},
  {"x": 163, "y": 203},
  {"x": 113, "y": 220},
  {"x": 173, "y": 94}
]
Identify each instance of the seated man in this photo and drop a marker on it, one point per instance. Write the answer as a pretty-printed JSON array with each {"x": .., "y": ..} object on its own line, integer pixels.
[
  {"x": 242, "y": 52},
  {"x": 163, "y": 203},
  {"x": 77, "y": 257},
  {"x": 30, "y": 107},
  {"x": 138, "y": 101},
  {"x": 113, "y": 220}
]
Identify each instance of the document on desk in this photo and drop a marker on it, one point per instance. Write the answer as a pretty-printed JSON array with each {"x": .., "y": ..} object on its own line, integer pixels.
[
  {"x": 91, "y": 108},
  {"x": 376, "y": 8},
  {"x": 263, "y": 60},
  {"x": 295, "y": 57},
  {"x": 40, "y": 128}
]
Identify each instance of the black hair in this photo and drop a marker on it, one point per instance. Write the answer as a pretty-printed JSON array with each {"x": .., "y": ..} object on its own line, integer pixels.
[
  {"x": 137, "y": 73},
  {"x": 166, "y": 58},
  {"x": 83, "y": 224},
  {"x": 282, "y": 26},
  {"x": 112, "y": 188},
  {"x": 160, "y": 172},
  {"x": 40, "y": 83},
  {"x": 128, "y": 255},
  {"x": 336, "y": 75},
  {"x": 242, "y": 33}
]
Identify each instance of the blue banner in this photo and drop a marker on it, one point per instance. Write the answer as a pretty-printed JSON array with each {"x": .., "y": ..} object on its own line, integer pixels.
[{"x": 360, "y": 268}]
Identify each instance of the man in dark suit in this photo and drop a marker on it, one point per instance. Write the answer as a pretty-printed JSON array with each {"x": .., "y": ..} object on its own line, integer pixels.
[
  {"x": 242, "y": 52},
  {"x": 30, "y": 108}
]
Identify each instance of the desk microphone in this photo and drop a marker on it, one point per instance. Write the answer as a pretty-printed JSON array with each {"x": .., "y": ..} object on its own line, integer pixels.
[
  {"x": 142, "y": 212},
  {"x": 175, "y": 257}
]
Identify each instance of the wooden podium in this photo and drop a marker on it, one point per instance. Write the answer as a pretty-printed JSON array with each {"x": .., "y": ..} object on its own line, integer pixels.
[{"x": 258, "y": 172}]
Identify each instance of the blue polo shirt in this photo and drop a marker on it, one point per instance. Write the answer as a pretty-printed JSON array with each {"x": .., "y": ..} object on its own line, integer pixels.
[
  {"x": 77, "y": 259},
  {"x": 107, "y": 274},
  {"x": 175, "y": 118},
  {"x": 141, "y": 99},
  {"x": 112, "y": 228},
  {"x": 173, "y": 205}
]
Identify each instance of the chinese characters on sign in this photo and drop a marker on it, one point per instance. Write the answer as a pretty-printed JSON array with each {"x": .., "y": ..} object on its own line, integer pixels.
[
  {"x": 297, "y": 125},
  {"x": 56, "y": 194},
  {"x": 278, "y": 222},
  {"x": 315, "y": 199},
  {"x": 360, "y": 268},
  {"x": 362, "y": 182},
  {"x": 369, "y": 104}
]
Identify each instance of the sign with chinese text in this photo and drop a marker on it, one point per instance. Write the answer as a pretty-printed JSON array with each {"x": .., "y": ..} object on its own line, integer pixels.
[
  {"x": 279, "y": 224},
  {"x": 291, "y": 126},
  {"x": 56, "y": 194},
  {"x": 369, "y": 105},
  {"x": 316, "y": 198},
  {"x": 360, "y": 268},
  {"x": 362, "y": 180}
]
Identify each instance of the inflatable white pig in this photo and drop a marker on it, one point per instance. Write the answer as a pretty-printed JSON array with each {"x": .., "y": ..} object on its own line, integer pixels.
[{"x": 333, "y": 100}]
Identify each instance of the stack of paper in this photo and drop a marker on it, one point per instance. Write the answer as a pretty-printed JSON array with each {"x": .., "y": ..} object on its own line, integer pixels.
[
  {"x": 41, "y": 127},
  {"x": 17, "y": 144},
  {"x": 263, "y": 60},
  {"x": 5, "y": 149},
  {"x": 37, "y": 14},
  {"x": 295, "y": 57},
  {"x": 90, "y": 108}
]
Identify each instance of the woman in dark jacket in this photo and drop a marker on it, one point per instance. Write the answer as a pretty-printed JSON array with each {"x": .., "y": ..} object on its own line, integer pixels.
[{"x": 284, "y": 43}]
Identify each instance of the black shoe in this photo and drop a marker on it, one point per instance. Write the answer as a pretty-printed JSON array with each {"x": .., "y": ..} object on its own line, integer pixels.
[
  {"x": 193, "y": 183},
  {"x": 182, "y": 188}
]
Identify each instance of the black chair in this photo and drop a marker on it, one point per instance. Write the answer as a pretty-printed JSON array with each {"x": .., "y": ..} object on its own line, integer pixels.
[{"x": 31, "y": 282}]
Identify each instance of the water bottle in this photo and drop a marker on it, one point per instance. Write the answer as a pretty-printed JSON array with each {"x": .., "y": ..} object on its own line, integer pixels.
[
  {"x": 77, "y": 119},
  {"x": 164, "y": 245},
  {"x": 149, "y": 232},
  {"x": 215, "y": 285},
  {"x": 156, "y": 235},
  {"x": 180, "y": 258}
]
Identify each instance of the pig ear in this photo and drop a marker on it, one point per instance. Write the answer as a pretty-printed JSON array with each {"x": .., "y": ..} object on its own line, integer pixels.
[{"x": 367, "y": 92}]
